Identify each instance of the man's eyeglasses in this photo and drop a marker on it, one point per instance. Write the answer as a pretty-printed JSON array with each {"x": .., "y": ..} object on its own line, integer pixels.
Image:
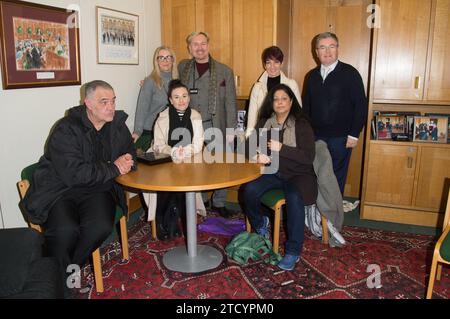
[
  {"x": 168, "y": 58},
  {"x": 324, "y": 47}
]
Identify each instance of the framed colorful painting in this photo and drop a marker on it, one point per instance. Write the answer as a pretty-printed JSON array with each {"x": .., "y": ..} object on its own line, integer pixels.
[
  {"x": 117, "y": 37},
  {"x": 39, "y": 45}
]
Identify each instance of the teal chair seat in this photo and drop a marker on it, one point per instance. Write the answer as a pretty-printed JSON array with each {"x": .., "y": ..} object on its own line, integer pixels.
[{"x": 445, "y": 248}]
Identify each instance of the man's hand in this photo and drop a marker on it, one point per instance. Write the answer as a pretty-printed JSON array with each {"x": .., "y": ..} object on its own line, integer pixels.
[
  {"x": 351, "y": 142},
  {"x": 135, "y": 137},
  {"x": 124, "y": 163}
]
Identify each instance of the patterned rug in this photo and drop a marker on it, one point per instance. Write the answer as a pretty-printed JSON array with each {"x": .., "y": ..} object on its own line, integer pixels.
[{"x": 373, "y": 264}]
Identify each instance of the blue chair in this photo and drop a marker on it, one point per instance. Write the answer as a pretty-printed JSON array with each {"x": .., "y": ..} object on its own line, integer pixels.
[{"x": 23, "y": 186}]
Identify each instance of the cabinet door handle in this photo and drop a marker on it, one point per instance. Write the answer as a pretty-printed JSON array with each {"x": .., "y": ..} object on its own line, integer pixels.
[
  {"x": 417, "y": 83},
  {"x": 410, "y": 162},
  {"x": 237, "y": 80}
]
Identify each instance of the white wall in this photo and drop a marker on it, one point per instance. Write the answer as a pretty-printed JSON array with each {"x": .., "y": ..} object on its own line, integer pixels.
[{"x": 26, "y": 115}]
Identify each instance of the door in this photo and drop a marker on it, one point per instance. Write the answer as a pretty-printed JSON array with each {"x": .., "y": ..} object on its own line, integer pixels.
[
  {"x": 402, "y": 46},
  {"x": 253, "y": 31},
  {"x": 390, "y": 177},
  {"x": 178, "y": 20},
  {"x": 439, "y": 77},
  {"x": 434, "y": 167},
  {"x": 214, "y": 18}
]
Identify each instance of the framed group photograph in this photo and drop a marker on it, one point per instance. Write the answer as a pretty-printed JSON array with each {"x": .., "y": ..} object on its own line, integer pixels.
[
  {"x": 389, "y": 126},
  {"x": 117, "y": 37},
  {"x": 39, "y": 45},
  {"x": 432, "y": 129}
]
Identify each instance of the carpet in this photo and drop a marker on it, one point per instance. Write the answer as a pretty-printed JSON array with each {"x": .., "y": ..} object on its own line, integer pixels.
[{"x": 374, "y": 264}]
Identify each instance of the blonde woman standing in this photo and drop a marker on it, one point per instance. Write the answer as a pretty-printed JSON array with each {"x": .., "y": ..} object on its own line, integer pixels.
[
  {"x": 153, "y": 95},
  {"x": 272, "y": 60}
]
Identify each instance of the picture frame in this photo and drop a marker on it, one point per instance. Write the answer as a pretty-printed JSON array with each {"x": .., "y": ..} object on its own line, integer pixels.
[
  {"x": 39, "y": 45},
  {"x": 117, "y": 37},
  {"x": 430, "y": 129},
  {"x": 389, "y": 126},
  {"x": 443, "y": 115}
]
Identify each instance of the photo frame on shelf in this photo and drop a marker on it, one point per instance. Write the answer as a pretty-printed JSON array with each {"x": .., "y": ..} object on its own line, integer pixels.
[
  {"x": 431, "y": 129},
  {"x": 39, "y": 45},
  {"x": 389, "y": 126},
  {"x": 443, "y": 115},
  {"x": 117, "y": 37}
]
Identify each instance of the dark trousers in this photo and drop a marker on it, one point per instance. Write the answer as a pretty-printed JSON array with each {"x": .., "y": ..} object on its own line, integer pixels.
[
  {"x": 77, "y": 225},
  {"x": 340, "y": 155},
  {"x": 253, "y": 192}
]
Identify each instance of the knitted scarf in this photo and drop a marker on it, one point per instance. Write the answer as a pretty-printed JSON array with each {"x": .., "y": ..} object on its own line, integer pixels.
[{"x": 212, "y": 88}]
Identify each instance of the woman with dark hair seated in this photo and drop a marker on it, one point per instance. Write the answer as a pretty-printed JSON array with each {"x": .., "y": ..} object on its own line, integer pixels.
[
  {"x": 178, "y": 132},
  {"x": 295, "y": 150}
]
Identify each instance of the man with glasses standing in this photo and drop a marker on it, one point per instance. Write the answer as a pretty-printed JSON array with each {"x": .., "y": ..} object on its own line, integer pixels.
[
  {"x": 73, "y": 194},
  {"x": 213, "y": 95},
  {"x": 336, "y": 103}
]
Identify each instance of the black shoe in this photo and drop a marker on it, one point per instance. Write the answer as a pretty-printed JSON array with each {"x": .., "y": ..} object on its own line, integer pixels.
[{"x": 223, "y": 211}]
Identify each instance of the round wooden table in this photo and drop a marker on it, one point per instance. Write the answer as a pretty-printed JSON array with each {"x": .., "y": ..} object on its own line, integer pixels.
[{"x": 205, "y": 172}]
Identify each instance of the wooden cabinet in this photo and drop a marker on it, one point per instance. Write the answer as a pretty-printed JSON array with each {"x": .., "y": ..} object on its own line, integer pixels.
[
  {"x": 239, "y": 30},
  {"x": 402, "y": 42},
  {"x": 438, "y": 84},
  {"x": 405, "y": 182},
  {"x": 434, "y": 168},
  {"x": 410, "y": 74},
  {"x": 391, "y": 174},
  {"x": 348, "y": 19},
  {"x": 411, "y": 49}
]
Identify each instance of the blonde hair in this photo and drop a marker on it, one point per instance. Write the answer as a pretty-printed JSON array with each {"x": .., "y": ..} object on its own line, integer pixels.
[{"x": 156, "y": 73}]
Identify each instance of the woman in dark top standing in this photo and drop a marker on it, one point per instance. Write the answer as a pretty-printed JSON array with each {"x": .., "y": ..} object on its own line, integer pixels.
[{"x": 295, "y": 175}]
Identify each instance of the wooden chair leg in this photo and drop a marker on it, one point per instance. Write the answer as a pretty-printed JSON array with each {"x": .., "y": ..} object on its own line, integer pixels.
[
  {"x": 124, "y": 237},
  {"x": 438, "y": 272},
  {"x": 276, "y": 226},
  {"x": 153, "y": 225},
  {"x": 98, "y": 276},
  {"x": 434, "y": 265},
  {"x": 127, "y": 200},
  {"x": 325, "y": 235},
  {"x": 247, "y": 222}
]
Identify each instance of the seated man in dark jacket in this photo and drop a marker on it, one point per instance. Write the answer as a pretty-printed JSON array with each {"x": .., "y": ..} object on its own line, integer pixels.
[{"x": 73, "y": 194}]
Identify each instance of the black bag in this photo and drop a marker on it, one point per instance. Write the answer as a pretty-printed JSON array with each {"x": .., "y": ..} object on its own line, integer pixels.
[{"x": 168, "y": 213}]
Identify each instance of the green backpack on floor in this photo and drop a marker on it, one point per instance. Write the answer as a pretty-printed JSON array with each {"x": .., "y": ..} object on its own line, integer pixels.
[{"x": 245, "y": 246}]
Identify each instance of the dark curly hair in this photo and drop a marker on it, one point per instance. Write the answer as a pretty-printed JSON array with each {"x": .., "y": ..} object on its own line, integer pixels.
[{"x": 266, "y": 109}]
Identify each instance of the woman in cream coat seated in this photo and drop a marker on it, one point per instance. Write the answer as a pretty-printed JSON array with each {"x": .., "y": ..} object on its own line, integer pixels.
[
  {"x": 178, "y": 132},
  {"x": 272, "y": 60}
]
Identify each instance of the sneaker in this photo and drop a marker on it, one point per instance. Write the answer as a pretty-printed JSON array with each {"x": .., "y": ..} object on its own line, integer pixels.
[
  {"x": 264, "y": 230},
  {"x": 288, "y": 262}
]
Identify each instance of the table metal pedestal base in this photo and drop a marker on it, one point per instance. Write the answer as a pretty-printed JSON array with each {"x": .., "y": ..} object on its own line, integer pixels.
[{"x": 178, "y": 259}]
